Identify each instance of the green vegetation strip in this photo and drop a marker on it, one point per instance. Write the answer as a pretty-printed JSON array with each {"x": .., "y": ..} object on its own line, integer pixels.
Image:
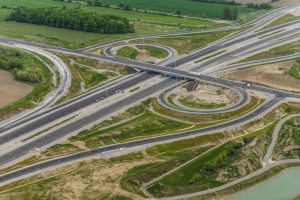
[
  {"x": 282, "y": 20},
  {"x": 283, "y": 50},
  {"x": 205, "y": 118},
  {"x": 186, "y": 44}
]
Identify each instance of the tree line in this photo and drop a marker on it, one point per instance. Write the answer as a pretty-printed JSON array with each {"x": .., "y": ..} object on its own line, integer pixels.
[
  {"x": 260, "y": 6},
  {"x": 75, "y": 19}
]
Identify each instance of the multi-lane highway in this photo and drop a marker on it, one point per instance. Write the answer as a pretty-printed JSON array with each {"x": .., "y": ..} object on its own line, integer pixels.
[{"x": 169, "y": 69}]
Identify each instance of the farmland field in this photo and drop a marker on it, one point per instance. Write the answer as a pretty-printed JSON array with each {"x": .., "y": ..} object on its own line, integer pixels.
[
  {"x": 144, "y": 24},
  {"x": 190, "y": 8}
]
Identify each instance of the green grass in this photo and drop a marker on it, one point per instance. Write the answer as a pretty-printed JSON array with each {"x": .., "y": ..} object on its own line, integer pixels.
[
  {"x": 133, "y": 53},
  {"x": 190, "y": 8},
  {"x": 198, "y": 175},
  {"x": 128, "y": 52},
  {"x": 40, "y": 90},
  {"x": 289, "y": 136},
  {"x": 186, "y": 44},
  {"x": 145, "y": 23},
  {"x": 282, "y": 20},
  {"x": 154, "y": 51},
  {"x": 202, "y": 173},
  {"x": 206, "y": 118},
  {"x": 294, "y": 71},
  {"x": 146, "y": 125},
  {"x": 284, "y": 50},
  {"x": 90, "y": 77}
]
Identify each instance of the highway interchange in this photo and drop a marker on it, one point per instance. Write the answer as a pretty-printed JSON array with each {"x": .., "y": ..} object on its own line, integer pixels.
[{"x": 175, "y": 72}]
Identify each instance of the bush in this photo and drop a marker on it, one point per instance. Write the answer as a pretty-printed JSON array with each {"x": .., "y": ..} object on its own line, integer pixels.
[
  {"x": 28, "y": 76},
  {"x": 230, "y": 13}
]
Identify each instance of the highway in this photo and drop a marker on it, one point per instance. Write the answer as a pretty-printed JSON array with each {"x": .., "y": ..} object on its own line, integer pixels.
[
  {"x": 51, "y": 137},
  {"x": 80, "y": 104},
  {"x": 72, "y": 127},
  {"x": 152, "y": 70}
]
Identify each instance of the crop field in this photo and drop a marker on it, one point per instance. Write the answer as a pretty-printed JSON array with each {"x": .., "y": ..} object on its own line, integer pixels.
[
  {"x": 76, "y": 39},
  {"x": 145, "y": 23},
  {"x": 190, "y": 8}
]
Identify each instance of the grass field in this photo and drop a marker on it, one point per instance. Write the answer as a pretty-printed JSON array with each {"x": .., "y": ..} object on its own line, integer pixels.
[
  {"x": 187, "y": 43},
  {"x": 283, "y": 50},
  {"x": 190, "y": 8},
  {"x": 207, "y": 118},
  {"x": 128, "y": 52},
  {"x": 142, "y": 51},
  {"x": 282, "y": 20},
  {"x": 146, "y": 125},
  {"x": 145, "y": 23},
  {"x": 216, "y": 167}
]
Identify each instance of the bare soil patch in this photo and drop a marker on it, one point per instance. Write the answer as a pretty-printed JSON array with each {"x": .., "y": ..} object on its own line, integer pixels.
[
  {"x": 207, "y": 93},
  {"x": 272, "y": 75},
  {"x": 144, "y": 56},
  {"x": 11, "y": 90}
]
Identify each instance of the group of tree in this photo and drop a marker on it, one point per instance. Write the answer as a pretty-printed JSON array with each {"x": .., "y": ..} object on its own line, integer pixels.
[
  {"x": 230, "y": 13},
  {"x": 124, "y": 6},
  {"x": 16, "y": 67},
  {"x": 225, "y": 2},
  {"x": 75, "y": 19},
  {"x": 260, "y": 6},
  {"x": 32, "y": 76}
]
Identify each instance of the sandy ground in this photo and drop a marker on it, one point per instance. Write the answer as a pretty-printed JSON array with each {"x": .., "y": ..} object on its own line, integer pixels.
[
  {"x": 209, "y": 94},
  {"x": 94, "y": 179},
  {"x": 11, "y": 90},
  {"x": 272, "y": 75},
  {"x": 144, "y": 56}
]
